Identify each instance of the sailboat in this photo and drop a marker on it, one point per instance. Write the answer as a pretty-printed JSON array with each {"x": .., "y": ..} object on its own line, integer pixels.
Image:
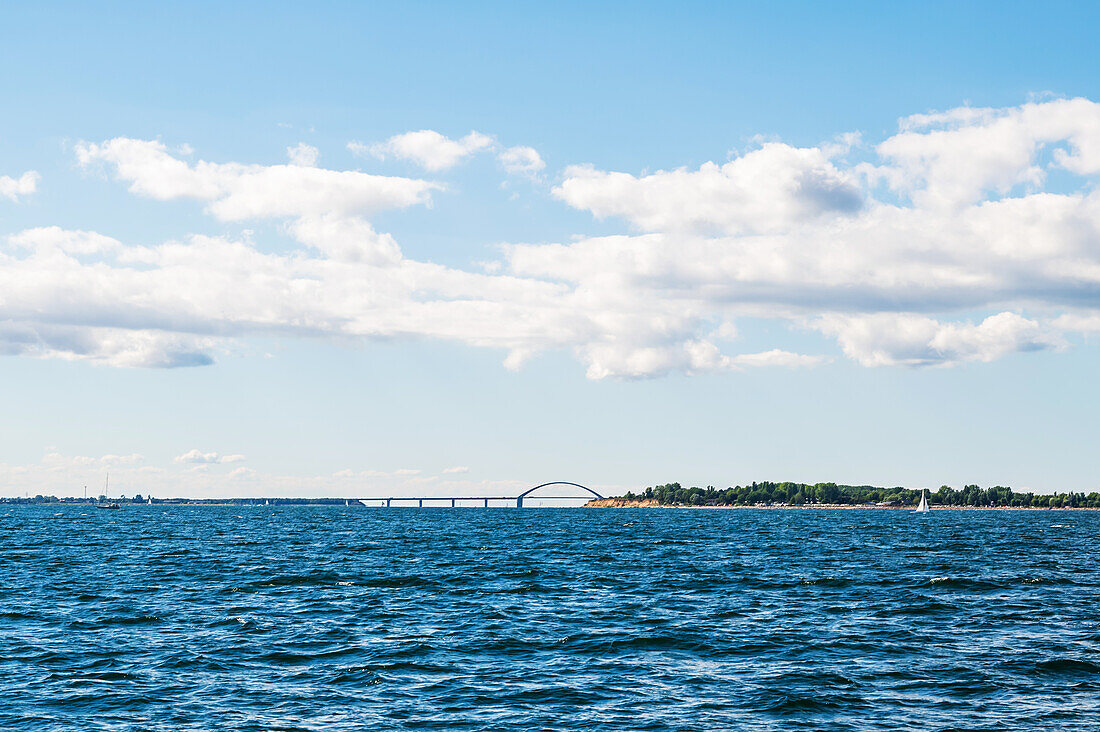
[
  {"x": 922, "y": 507},
  {"x": 107, "y": 504}
]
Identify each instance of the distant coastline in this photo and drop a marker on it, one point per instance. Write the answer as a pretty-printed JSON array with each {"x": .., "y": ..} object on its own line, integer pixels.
[
  {"x": 140, "y": 500},
  {"x": 674, "y": 495},
  {"x": 623, "y": 503},
  {"x": 832, "y": 495}
]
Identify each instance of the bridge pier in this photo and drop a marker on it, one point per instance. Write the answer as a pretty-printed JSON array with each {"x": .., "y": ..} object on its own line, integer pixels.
[
  {"x": 420, "y": 503},
  {"x": 452, "y": 503},
  {"x": 388, "y": 502},
  {"x": 519, "y": 502},
  {"x": 486, "y": 503}
]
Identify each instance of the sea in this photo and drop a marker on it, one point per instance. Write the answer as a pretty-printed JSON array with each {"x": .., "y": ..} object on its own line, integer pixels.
[{"x": 354, "y": 618}]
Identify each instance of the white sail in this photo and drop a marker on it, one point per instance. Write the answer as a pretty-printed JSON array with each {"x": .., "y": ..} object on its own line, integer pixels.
[{"x": 922, "y": 507}]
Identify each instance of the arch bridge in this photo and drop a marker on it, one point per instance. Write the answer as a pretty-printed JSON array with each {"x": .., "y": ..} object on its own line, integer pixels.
[{"x": 388, "y": 502}]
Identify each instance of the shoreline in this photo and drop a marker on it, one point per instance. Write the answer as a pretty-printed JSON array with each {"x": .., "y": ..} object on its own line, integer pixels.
[{"x": 622, "y": 503}]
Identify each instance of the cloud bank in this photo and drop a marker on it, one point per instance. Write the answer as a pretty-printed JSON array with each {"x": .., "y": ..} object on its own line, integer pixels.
[{"x": 967, "y": 236}]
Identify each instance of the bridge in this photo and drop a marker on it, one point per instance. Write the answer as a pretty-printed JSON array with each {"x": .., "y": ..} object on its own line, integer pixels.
[{"x": 484, "y": 500}]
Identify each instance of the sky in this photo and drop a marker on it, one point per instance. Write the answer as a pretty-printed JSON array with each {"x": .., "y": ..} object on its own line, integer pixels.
[{"x": 342, "y": 249}]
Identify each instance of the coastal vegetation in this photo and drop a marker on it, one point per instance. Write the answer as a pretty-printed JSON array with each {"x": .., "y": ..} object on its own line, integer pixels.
[{"x": 800, "y": 494}]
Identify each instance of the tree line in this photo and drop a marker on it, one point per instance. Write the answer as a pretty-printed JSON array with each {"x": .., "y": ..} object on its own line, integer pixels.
[{"x": 799, "y": 494}]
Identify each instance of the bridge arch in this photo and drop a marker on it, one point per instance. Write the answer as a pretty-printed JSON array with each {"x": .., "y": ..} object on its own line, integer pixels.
[{"x": 521, "y": 496}]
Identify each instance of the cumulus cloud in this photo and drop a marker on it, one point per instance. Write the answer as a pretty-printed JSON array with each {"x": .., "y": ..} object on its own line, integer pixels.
[
  {"x": 303, "y": 154},
  {"x": 207, "y": 458},
  {"x": 941, "y": 244},
  {"x": 456, "y": 469},
  {"x": 427, "y": 148},
  {"x": 436, "y": 152},
  {"x": 47, "y": 238},
  {"x": 24, "y": 185},
  {"x": 776, "y": 357},
  {"x": 1081, "y": 322},
  {"x": 119, "y": 347},
  {"x": 521, "y": 160},
  {"x": 346, "y": 239},
  {"x": 906, "y": 339},
  {"x": 955, "y": 158},
  {"x": 766, "y": 190},
  {"x": 235, "y": 192},
  {"x": 691, "y": 357}
]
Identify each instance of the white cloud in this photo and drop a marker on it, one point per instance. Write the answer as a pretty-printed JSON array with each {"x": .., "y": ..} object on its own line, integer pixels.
[
  {"x": 235, "y": 192},
  {"x": 55, "y": 238},
  {"x": 346, "y": 239},
  {"x": 776, "y": 357},
  {"x": 1080, "y": 322},
  {"x": 24, "y": 185},
  {"x": 455, "y": 470},
  {"x": 960, "y": 157},
  {"x": 427, "y": 148},
  {"x": 303, "y": 154},
  {"x": 766, "y": 190},
  {"x": 892, "y": 339},
  {"x": 119, "y": 347},
  {"x": 692, "y": 357},
  {"x": 204, "y": 458},
  {"x": 521, "y": 160}
]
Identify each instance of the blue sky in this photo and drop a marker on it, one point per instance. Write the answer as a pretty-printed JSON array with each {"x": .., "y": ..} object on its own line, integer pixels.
[{"x": 549, "y": 299}]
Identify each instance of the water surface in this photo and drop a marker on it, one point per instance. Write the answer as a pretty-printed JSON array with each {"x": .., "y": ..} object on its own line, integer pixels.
[{"x": 333, "y": 618}]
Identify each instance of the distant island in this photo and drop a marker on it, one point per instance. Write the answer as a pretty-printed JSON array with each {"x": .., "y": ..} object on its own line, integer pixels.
[{"x": 831, "y": 494}]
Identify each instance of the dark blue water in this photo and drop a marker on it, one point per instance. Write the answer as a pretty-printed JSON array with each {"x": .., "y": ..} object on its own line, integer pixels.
[{"x": 294, "y": 618}]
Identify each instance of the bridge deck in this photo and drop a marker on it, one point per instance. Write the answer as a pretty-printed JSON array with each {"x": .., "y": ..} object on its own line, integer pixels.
[
  {"x": 469, "y": 498},
  {"x": 484, "y": 500},
  {"x": 456, "y": 501}
]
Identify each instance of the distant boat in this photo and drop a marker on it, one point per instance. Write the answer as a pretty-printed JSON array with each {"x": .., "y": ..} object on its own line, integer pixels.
[
  {"x": 347, "y": 502},
  {"x": 922, "y": 507},
  {"x": 106, "y": 485}
]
